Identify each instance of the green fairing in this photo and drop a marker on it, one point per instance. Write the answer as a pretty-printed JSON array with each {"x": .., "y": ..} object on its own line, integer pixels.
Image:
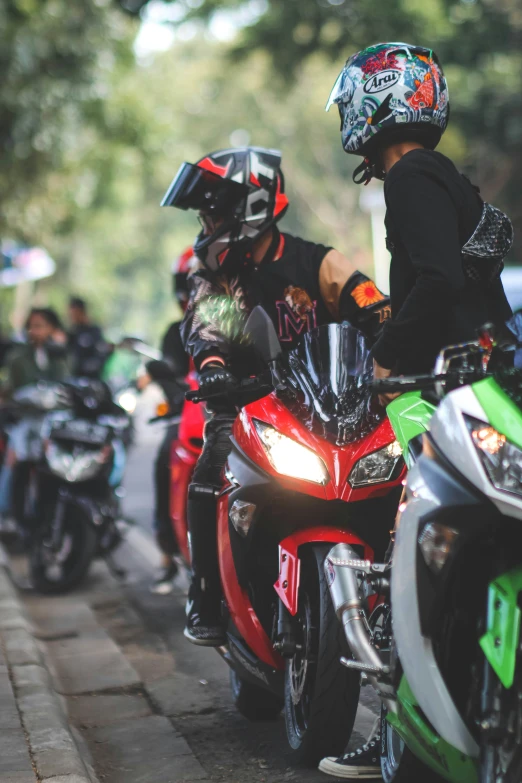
[
  {"x": 409, "y": 416},
  {"x": 502, "y": 412},
  {"x": 428, "y": 746},
  {"x": 501, "y": 640}
]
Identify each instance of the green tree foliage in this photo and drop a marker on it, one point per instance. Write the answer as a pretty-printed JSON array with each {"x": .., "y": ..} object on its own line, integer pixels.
[
  {"x": 59, "y": 62},
  {"x": 478, "y": 41}
]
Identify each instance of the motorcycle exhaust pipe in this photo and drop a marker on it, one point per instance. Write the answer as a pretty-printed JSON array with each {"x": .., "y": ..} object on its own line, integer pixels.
[{"x": 341, "y": 566}]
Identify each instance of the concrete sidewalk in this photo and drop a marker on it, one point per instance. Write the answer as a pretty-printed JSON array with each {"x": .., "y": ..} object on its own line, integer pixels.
[{"x": 36, "y": 741}]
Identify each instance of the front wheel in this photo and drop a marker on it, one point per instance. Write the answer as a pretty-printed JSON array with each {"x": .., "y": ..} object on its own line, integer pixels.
[
  {"x": 321, "y": 695},
  {"x": 252, "y": 701},
  {"x": 398, "y": 764},
  {"x": 57, "y": 566}
]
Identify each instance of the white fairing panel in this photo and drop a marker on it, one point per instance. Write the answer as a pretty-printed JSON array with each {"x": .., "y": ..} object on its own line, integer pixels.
[
  {"x": 448, "y": 430},
  {"x": 416, "y": 652}
]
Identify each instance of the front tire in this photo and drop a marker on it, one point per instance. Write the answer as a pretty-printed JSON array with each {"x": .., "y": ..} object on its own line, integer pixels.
[
  {"x": 321, "y": 695},
  {"x": 253, "y": 702},
  {"x": 58, "y": 572},
  {"x": 398, "y": 764}
]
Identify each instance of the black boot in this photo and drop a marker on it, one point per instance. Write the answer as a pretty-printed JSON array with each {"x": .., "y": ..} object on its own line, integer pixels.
[{"x": 204, "y": 619}]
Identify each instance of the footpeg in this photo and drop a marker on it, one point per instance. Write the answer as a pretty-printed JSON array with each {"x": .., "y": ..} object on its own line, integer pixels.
[
  {"x": 365, "y": 566},
  {"x": 366, "y": 668}
]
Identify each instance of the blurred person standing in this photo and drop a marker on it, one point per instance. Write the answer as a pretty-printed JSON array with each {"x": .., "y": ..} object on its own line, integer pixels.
[
  {"x": 86, "y": 344},
  {"x": 41, "y": 358},
  {"x": 174, "y": 354}
]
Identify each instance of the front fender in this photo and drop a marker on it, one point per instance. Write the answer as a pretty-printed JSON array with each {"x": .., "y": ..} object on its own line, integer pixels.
[
  {"x": 287, "y": 585},
  {"x": 501, "y": 640}
]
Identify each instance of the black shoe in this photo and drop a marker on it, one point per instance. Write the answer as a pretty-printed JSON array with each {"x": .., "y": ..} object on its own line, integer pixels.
[
  {"x": 363, "y": 764},
  {"x": 204, "y": 620},
  {"x": 163, "y": 584}
]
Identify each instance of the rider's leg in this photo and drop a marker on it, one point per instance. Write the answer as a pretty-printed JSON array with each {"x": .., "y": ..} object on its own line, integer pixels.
[
  {"x": 165, "y": 537},
  {"x": 204, "y": 621}
]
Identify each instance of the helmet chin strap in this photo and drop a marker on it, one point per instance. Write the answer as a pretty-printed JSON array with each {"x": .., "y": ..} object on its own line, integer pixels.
[{"x": 366, "y": 171}]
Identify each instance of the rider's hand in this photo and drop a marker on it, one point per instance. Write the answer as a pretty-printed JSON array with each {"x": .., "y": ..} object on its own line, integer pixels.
[
  {"x": 216, "y": 379},
  {"x": 378, "y": 374}
]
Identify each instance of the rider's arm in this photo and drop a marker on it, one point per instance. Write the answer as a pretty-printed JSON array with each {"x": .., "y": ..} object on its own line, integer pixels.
[
  {"x": 202, "y": 339},
  {"x": 350, "y": 295},
  {"x": 426, "y": 224}
]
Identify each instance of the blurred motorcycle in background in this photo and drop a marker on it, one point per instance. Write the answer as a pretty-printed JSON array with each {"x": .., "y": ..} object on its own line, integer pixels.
[{"x": 66, "y": 488}]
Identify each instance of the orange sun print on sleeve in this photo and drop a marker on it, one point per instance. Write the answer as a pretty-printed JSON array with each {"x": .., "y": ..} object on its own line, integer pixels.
[{"x": 366, "y": 294}]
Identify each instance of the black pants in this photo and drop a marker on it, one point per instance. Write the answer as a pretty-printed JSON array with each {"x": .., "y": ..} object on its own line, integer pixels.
[
  {"x": 165, "y": 537},
  {"x": 202, "y": 499}
]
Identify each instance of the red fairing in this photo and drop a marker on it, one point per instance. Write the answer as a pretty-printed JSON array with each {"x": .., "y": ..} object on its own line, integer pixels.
[
  {"x": 184, "y": 454},
  {"x": 339, "y": 460},
  {"x": 191, "y": 425},
  {"x": 241, "y": 611},
  {"x": 287, "y": 586}
]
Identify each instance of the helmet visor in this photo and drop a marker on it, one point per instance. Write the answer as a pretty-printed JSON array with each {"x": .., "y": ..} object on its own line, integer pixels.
[
  {"x": 339, "y": 89},
  {"x": 196, "y": 188}
]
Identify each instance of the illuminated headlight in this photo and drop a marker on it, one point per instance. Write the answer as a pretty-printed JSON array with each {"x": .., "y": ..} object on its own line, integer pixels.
[
  {"x": 290, "y": 458},
  {"x": 377, "y": 467},
  {"x": 75, "y": 466},
  {"x": 436, "y": 543},
  {"x": 500, "y": 458},
  {"x": 128, "y": 401}
]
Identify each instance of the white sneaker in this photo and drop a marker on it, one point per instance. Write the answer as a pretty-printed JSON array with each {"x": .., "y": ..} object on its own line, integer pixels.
[{"x": 363, "y": 764}]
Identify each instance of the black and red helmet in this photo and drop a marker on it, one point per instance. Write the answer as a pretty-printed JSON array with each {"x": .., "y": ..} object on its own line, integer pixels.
[
  {"x": 182, "y": 266},
  {"x": 243, "y": 188}
]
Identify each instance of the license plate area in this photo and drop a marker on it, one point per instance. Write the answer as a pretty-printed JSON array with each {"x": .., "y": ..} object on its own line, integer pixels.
[{"x": 80, "y": 431}]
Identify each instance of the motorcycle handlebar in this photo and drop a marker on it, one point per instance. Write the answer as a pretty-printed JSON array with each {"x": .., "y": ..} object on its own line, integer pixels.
[
  {"x": 248, "y": 385},
  {"x": 414, "y": 383},
  {"x": 423, "y": 382}
]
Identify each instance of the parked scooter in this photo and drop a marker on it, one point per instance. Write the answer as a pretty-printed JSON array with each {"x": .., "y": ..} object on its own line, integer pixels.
[
  {"x": 449, "y": 674},
  {"x": 312, "y": 463},
  {"x": 67, "y": 493}
]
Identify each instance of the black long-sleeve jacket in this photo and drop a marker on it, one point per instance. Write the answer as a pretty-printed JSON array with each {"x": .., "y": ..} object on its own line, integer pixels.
[{"x": 447, "y": 248}]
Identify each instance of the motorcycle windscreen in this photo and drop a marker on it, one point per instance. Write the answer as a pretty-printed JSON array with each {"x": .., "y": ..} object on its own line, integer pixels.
[{"x": 331, "y": 369}]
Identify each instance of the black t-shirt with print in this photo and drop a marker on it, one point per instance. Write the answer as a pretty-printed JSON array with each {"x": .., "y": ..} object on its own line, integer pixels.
[{"x": 288, "y": 289}]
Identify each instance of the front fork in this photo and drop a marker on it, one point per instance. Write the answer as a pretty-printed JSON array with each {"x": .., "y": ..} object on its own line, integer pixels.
[{"x": 348, "y": 579}]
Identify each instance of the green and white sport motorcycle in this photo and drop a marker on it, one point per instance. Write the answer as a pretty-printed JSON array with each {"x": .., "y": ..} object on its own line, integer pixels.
[{"x": 448, "y": 668}]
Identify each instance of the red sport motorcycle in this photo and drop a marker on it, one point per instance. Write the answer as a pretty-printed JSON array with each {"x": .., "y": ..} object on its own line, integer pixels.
[{"x": 314, "y": 462}]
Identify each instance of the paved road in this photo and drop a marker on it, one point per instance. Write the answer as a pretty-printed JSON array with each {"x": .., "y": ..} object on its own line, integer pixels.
[{"x": 148, "y": 706}]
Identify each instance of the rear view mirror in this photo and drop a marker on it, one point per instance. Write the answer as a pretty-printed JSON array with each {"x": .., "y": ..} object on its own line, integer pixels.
[
  {"x": 262, "y": 334},
  {"x": 160, "y": 370}
]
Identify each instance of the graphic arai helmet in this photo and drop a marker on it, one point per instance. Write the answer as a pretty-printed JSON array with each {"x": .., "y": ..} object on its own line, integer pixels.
[
  {"x": 239, "y": 193},
  {"x": 390, "y": 92}
]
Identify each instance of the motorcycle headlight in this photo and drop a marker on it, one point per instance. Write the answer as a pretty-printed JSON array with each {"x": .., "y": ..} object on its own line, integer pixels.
[
  {"x": 500, "y": 458},
  {"x": 377, "y": 467},
  {"x": 75, "y": 465},
  {"x": 128, "y": 400},
  {"x": 290, "y": 458}
]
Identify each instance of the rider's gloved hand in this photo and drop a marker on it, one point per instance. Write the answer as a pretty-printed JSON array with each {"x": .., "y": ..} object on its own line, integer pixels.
[{"x": 216, "y": 379}]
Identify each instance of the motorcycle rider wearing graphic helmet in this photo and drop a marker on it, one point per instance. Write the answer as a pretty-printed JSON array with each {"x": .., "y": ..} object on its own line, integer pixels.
[
  {"x": 447, "y": 245},
  {"x": 245, "y": 261}
]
